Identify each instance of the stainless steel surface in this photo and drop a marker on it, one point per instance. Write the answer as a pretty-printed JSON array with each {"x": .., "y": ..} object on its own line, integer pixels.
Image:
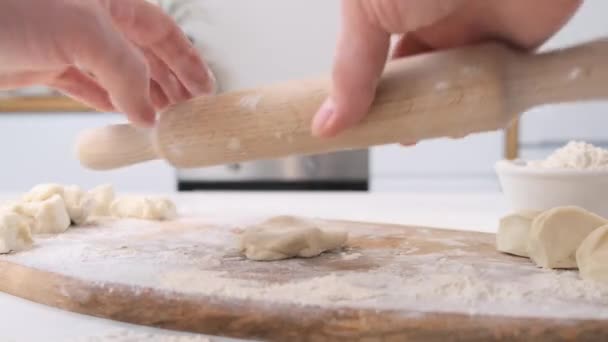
[{"x": 339, "y": 166}]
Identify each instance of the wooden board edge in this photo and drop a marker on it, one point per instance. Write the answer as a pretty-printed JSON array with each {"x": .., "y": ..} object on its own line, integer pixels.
[
  {"x": 215, "y": 316},
  {"x": 402, "y": 226}
]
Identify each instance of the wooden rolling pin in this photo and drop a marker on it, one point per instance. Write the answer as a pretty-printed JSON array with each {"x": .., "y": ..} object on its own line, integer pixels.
[{"x": 449, "y": 93}]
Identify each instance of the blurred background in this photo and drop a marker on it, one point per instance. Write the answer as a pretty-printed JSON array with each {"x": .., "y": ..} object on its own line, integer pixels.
[{"x": 252, "y": 43}]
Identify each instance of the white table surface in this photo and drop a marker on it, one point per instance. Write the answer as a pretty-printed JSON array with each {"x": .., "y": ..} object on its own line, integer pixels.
[{"x": 23, "y": 321}]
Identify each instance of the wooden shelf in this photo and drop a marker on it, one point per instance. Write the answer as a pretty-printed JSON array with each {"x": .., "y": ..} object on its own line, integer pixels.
[
  {"x": 512, "y": 141},
  {"x": 38, "y": 104}
]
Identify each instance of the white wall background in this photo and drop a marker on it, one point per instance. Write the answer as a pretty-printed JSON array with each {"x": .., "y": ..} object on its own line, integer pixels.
[
  {"x": 543, "y": 129},
  {"x": 39, "y": 148},
  {"x": 258, "y": 42}
]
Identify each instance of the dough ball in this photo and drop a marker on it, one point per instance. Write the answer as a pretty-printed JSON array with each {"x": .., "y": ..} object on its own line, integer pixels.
[
  {"x": 513, "y": 231},
  {"x": 592, "y": 256},
  {"x": 14, "y": 232},
  {"x": 146, "y": 208},
  {"x": 78, "y": 203},
  {"x": 557, "y": 233},
  {"x": 286, "y": 237},
  {"x": 49, "y": 216},
  {"x": 102, "y": 195},
  {"x": 43, "y": 192}
]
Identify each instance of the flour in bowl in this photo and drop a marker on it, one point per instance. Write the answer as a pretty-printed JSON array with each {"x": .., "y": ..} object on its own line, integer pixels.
[{"x": 576, "y": 155}]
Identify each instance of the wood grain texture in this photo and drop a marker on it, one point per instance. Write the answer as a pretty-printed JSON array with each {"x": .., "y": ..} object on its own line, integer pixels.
[
  {"x": 281, "y": 322},
  {"x": 286, "y": 322},
  {"x": 511, "y": 141},
  {"x": 449, "y": 93}
]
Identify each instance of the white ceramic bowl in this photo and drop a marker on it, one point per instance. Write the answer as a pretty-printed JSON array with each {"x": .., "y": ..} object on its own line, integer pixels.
[{"x": 529, "y": 188}]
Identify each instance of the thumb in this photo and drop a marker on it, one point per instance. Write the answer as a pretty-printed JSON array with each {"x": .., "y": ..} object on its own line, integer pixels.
[{"x": 361, "y": 54}]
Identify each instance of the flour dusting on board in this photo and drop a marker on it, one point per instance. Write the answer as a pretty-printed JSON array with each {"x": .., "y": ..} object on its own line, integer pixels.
[
  {"x": 200, "y": 257},
  {"x": 126, "y": 335}
]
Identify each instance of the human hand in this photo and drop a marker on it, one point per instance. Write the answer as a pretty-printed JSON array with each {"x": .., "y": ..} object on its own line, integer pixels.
[
  {"x": 124, "y": 55},
  {"x": 424, "y": 25}
]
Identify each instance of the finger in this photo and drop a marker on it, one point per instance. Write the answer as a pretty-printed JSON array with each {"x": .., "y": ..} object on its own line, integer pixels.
[
  {"x": 165, "y": 78},
  {"x": 147, "y": 25},
  {"x": 20, "y": 79},
  {"x": 461, "y": 27},
  {"x": 159, "y": 99},
  {"x": 408, "y": 45},
  {"x": 361, "y": 53},
  {"x": 117, "y": 65},
  {"x": 83, "y": 88}
]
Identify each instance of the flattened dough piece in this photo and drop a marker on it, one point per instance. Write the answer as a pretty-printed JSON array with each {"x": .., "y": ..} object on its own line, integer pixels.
[
  {"x": 146, "y": 208},
  {"x": 286, "y": 237},
  {"x": 49, "y": 216},
  {"x": 15, "y": 232},
  {"x": 557, "y": 233},
  {"x": 592, "y": 256},
  {"x": 79, "y": 204},
  {"x": 513, "y": 231},
  {"x": 102, "y": 195}
]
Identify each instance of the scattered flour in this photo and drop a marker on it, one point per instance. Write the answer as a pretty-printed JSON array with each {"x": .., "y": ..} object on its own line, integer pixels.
[
  {"x": 201, "y": 259},
  {"x": 443, "y": 85},
  {"x": 314, "y": 291},
  {"x": 575, "y": 73},
  {"x": 126, "y": 335},
  {"x": 576, "y": 156},
  {"x": 350, "y": 256}
]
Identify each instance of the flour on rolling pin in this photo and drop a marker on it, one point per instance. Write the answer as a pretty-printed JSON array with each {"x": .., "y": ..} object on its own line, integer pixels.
[
  {"x": 194, "y": 256},
  {"x": 250, "y": 102}
]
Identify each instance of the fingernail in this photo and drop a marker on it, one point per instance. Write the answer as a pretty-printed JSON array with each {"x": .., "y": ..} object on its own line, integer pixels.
[{"x": 323, "y": 117}]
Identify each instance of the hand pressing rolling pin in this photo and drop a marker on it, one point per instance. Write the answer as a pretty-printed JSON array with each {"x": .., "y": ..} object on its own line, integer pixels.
[
  {"x": 124, "y": 55},
  {"x": 424, "y": 25}
]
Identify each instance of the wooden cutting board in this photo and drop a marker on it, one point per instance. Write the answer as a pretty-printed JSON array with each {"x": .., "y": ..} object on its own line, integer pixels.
[{"x": 391, "y": 283}]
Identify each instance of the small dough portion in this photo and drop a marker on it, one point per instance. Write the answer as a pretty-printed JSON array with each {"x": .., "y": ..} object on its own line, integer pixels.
[
  {"x": 146, "y": 208},
  {"x": 513, "y": 231},
  {"x": 286, "y": 237},
  {"x": 49, "y": 216},
  {"x": 79, "y": 204},
  {"x": 557, "y": 233},
  {"x": 102, "y": 195},
  {"x": 15, "y": 232},
  {"x": 43, "y": 192},
  {"x": 592, "y": 256}
]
